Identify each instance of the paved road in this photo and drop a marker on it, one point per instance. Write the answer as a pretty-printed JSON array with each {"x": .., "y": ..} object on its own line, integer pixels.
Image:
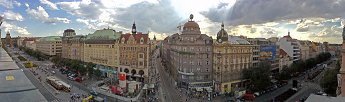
[
  {"x": 310, "y": 87},
  {"x": 49, "y": 96},
  {"x": 306, "y": 90},
  {"x": 169, "y": 91},
  {"x": 62, "y": 77}
]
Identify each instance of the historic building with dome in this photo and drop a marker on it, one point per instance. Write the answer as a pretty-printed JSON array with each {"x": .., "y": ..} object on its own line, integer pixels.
[
  {"x": 189, "y": 57},
  {"x": 231, "y": 54}
]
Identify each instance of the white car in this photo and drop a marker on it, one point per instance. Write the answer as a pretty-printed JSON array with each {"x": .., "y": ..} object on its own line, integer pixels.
[{"x": 53, "y": 72}]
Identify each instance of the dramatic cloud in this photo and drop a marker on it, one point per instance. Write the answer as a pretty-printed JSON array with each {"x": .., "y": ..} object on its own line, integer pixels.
[
  {"x": 12, "y": 16},
  {"x": 152, "y": 15},
  {"x": 83, "y": 9},
  {"x": 330, "y": 34},
  {"x": 13, "y": 28},
  {"x": 9, "y": 4},
  {"x": 41, "y": 14},
  {"x": 160, "y": 17},
  {"x": 49, "y": 4},
  {"x": 260, "y": 11}
]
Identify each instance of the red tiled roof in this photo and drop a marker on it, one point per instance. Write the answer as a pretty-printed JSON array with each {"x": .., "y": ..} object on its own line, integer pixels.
[{"x": 137, "y": 37}]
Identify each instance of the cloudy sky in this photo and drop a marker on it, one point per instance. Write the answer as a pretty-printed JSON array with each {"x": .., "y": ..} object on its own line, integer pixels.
[{"x": 316, "y": 20}]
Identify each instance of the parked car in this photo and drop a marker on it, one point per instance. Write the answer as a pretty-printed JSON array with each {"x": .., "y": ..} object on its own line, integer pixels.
[
  {"x": 78, "y": 79},
  {"x": 94, "y": 93},
  {"x": 53, "y": 72},
  {"x": 71, "y": 78}
]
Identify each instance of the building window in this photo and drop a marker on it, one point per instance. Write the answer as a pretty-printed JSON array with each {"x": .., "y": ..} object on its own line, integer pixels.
[
  {"x": 141, "y": 55},
  {"x": 141, "y": 63},
  {"x": 207, "y": 63},
  {"x": 141, "y": 40}
]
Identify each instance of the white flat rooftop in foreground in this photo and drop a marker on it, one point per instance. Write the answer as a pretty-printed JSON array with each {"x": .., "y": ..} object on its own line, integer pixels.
[
  {"x": 23, "y": 96},
  {"x": 319, "y": 98},
  {"x": 8, "y": 66}
]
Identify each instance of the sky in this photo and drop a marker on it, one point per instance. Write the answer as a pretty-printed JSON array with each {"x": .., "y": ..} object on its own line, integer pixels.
[{"x": 315, "y": 20}]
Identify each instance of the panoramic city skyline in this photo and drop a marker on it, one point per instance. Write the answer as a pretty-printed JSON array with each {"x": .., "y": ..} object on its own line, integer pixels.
[
  {"x": 172, "y": 50},
  {"x": 306, "y": 20}
]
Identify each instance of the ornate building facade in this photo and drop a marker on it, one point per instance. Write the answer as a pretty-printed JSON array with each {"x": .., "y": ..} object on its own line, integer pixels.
[
  {"x": 72, "y": 45},
  {"x": 134, "y": 55},
  {"x": 231, "y": 55},
  {"x": 189, "y": 57},
  {"x": 102, "y": 48}
]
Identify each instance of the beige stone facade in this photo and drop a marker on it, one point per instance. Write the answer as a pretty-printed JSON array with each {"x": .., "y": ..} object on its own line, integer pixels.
[
  {"x": 189, "y": 57},
  {"x": 50, "y": 45},
  {"x": 102, "y": 48},
  {"x": 304, "y": 50},
  {"x": 231, "y": 55},
  {"x": 72, "y": 45}
]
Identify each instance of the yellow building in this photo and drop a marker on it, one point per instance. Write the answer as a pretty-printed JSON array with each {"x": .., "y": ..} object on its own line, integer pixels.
[
  {"x": 135, "y": 52},
  {"x": 102, "y": 48},
  {"x": 231, "y": 54},
  {"x": 50, "y": 45},
  {"x": 72, "y": 45},
  {"x": 304, "y": 49}
]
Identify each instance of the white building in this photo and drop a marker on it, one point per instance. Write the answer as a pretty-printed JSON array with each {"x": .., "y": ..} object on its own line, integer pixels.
[{"x": 290, "y": 46}]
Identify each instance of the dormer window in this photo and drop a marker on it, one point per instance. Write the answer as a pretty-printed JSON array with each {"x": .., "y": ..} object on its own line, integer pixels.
[
  {"x": 141, "y": 40},
  {"x": 123, "y": 40}
]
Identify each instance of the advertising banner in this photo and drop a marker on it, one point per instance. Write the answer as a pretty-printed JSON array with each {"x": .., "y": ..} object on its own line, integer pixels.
[{"x": 268, "y": 52}]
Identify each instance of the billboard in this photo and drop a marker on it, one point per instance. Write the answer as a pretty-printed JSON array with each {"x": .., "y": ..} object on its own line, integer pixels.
[{"x": 268, "y": 52}]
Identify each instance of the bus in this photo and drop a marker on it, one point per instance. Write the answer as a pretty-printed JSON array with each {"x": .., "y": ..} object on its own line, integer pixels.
[{"x": 58, "y": 84}]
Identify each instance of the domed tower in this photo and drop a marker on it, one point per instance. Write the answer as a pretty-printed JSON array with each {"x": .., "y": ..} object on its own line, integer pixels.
[
  {"x": 8, "y": 38},
  {"x": 191, "y": 27},
  {"x": 222, "y": 35}
]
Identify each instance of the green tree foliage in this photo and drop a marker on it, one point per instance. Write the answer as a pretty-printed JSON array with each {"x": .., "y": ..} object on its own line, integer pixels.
[
  {"x": 329, "y": 81},
  {"x": 301, "y": 66},
  {"x": 98, "y": 73},
  {"x": 37, "y": 54},
  {"x": 259, "y": 76},
  {"x": 75, "y": 65}
]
